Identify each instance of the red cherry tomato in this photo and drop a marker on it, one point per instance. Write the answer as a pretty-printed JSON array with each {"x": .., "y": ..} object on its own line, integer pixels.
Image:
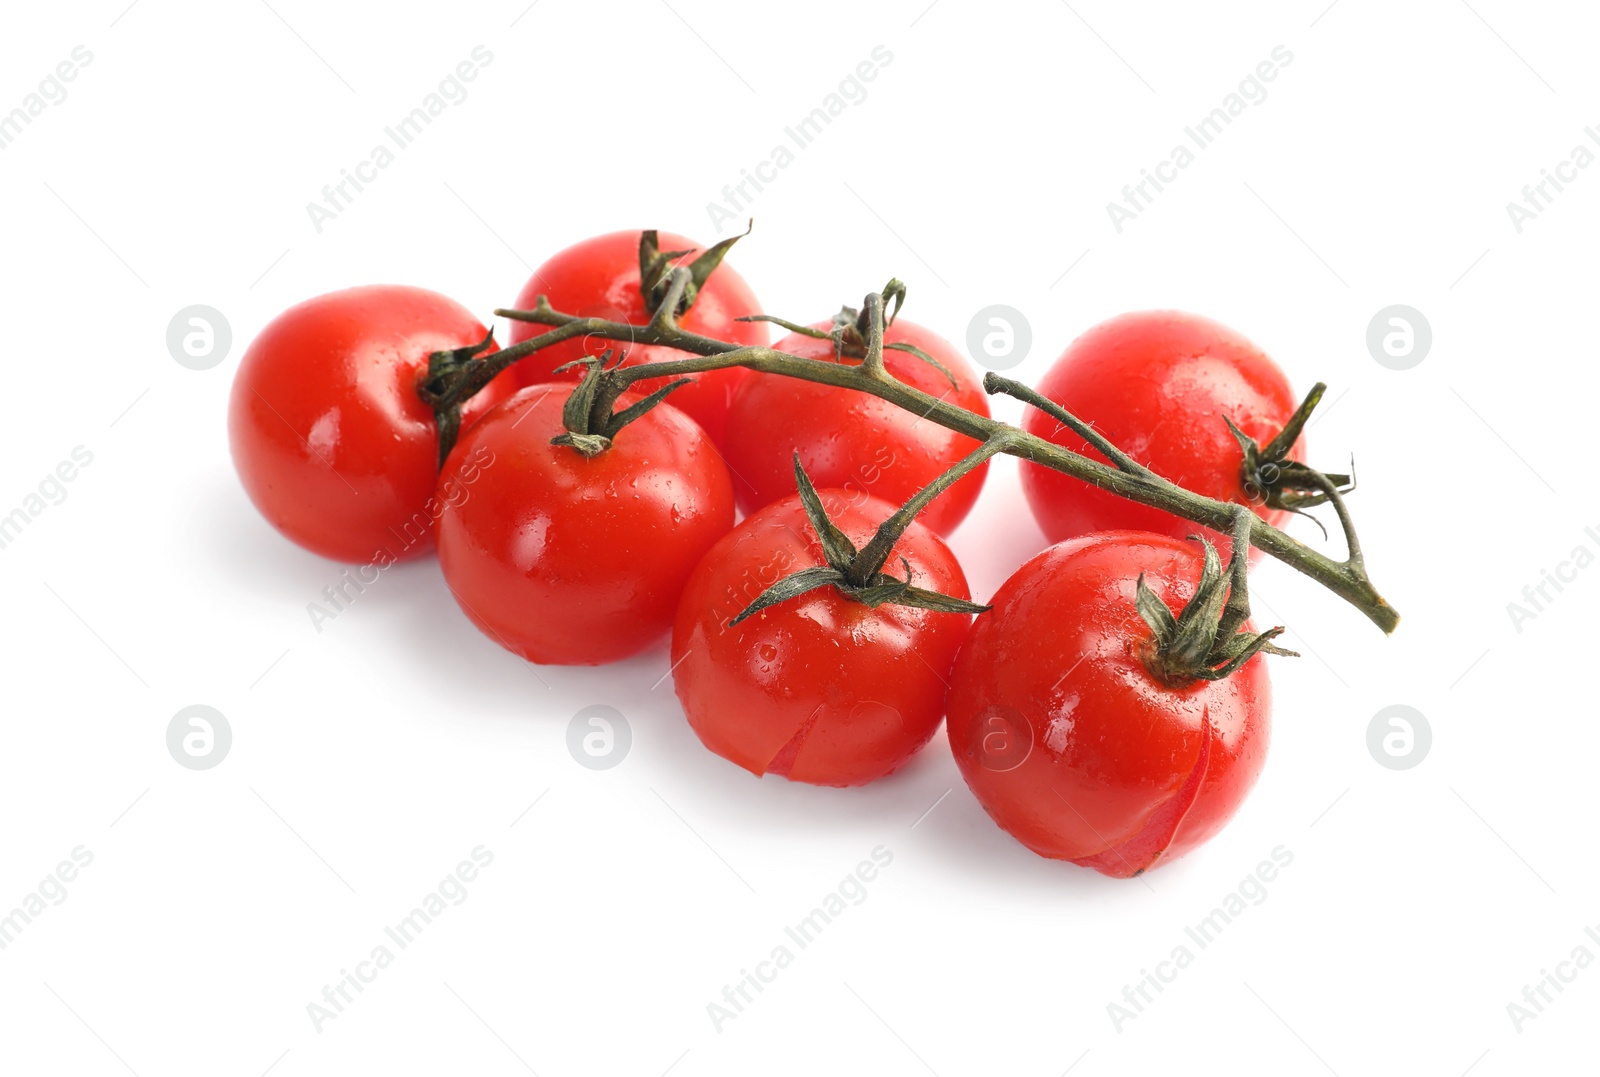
[
  {"x": 821, "y": 688},
  {"x": 1069, "y": 741},
  {"x": 329, "y": 436},
  {"x": 852, "y": 440},
  {"x": 574, "y": 560},
  {"x": 599, "y": 278},
  {"x": 1157, "y": 384}
]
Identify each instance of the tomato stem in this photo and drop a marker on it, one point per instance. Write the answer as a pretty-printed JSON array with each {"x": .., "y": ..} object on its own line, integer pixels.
[
  {"x": 1123, "y": 477},
  {"x": 993, "y": 383},
  {"x": 858, "y": 574},
  {"x": 875, "y": 553},
  {"x": 1205, "y": 641},
  {"x": 454, "y": 376},
  {"x": 590, "y": 414},
  {"x": 1268, "y": 475},
  {"x": 851, "y": 329},
  {"x": 656, "y": 265}
]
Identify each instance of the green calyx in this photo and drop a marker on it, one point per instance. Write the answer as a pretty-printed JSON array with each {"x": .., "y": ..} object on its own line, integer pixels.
[
  {"x": 588, "y": 414},
  {"x": 452, "y": 377},
  {"x": 1279, "y": 482},
  {"x": 856, "y": 574},
  {"x": 655, "y": 269},
  {"x": 851, "y": 330},
  {"x": 1205, "y": 641}
]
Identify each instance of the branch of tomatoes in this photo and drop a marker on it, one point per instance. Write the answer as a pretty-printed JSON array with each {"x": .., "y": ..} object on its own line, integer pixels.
[{"x": 1123, "y": 476}]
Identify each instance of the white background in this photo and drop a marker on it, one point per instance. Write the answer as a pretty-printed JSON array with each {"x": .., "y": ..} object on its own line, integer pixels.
[{"x": 371, "y": 757}]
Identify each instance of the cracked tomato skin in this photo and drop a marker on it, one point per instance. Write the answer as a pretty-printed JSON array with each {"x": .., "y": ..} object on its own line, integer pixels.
[
  {"x": 329, "y": 437},
  {"x": 818, "y": 689},
  {"x": 572, "y": 560},
  {"x": 599, "y": 278},
  {"x": 1069, "y": 742},
  {"x": 852, "y": 440},
  {"x": 1157, "y": 384}
]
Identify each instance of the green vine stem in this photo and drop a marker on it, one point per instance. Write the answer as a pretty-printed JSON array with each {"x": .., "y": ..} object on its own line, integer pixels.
[{"x": 1124, "y": 477}]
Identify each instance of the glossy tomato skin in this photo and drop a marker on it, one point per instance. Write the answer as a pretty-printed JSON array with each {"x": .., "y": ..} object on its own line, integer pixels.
[
  {"x": 819, "y": 689},
  {"x": 1157, "y": 384},
  {"x": 569, "y": 560},
  {"x": 1069, "y": 742},
  {"x": 599, "y": 278},
  {"x": 329, "y": 437},
  {"x": 852, "y": 440}
]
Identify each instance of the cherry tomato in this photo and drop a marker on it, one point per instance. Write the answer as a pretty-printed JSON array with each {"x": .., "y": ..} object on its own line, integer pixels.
[
  {"x": 852, "y": 440},
  {"x": 599, "y": 278},
  {"x": 1069, "y": 740},
  {"x": 820, "y": 688},
  {"x": 574, "y": 560},
  {"x": 329, "y": 436},
  {"x": 1158, "y": 384}
]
